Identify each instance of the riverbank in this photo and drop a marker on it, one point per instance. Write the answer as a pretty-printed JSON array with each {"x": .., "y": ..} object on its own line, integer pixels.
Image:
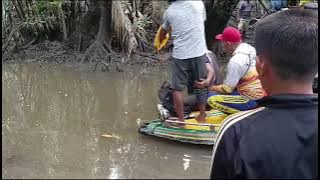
[{"x": 55, "y": 53}]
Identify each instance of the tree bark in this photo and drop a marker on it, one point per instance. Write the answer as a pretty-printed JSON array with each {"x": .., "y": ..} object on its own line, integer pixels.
[
  {"x": 123, "y": 32},
  {"x": 19, "y": 9},
  {"x": 85, "y": 31},
  {"x": 64, "y": 26},
  {"x": 104, "y": 34}
]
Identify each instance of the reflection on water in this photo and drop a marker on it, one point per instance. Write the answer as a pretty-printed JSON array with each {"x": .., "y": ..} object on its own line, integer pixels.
[{"x": 53, "y": 120}]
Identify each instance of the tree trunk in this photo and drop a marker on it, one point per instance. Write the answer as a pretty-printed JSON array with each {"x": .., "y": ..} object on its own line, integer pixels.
[
  {"x": 19, "y": 9},
  {"x": 122, "y": 29},
  {"x": 217, "y": 18},
  {"x": 86, "y": 30},
  {"x": 64, "y": 26},
  {"x": 104, "y": 34}
]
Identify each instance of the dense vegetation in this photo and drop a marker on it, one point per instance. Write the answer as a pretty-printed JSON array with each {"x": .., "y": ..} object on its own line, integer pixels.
[{"x": 94, "y": 31}]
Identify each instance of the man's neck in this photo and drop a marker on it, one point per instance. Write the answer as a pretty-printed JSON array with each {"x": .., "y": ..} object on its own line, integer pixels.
[
  {"x": 291, "y": 88},
  {"x": 235, "y": 46}
]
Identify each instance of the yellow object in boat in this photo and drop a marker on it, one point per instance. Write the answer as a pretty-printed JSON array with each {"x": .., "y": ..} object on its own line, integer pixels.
[
  {"x": 157, "y": 44},
  {"x": 213, "y": 117},
  {"x": 195, "y": 127}
]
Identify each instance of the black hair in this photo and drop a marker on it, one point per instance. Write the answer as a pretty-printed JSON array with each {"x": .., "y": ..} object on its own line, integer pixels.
[{"x": 290, "y": 41}]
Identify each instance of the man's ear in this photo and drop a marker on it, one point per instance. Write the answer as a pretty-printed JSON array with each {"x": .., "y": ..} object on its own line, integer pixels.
[{"x": 260, "y": 65}]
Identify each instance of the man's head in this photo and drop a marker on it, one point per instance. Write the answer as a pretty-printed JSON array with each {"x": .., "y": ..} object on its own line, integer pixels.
[
  {"x": 287, "y": 49},
  {"x": 230, "y": 38}
]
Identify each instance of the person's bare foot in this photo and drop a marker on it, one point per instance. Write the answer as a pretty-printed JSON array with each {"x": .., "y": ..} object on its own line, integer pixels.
[{"x": 201, "y": 118}]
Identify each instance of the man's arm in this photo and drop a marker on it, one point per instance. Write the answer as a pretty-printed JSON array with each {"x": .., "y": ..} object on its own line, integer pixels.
[
  {"x": 234, "y": 74},
  {"x": 210, "y": 73},
  {"x": 205, "y": 82},
  {"x": 163, "y": 33}
]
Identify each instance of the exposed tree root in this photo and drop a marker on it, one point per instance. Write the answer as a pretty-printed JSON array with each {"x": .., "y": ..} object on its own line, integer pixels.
[
  {"x": 152, "y": 57},
  {"x": 8, "y": 40},
  {"x": 100, "y": 53}
]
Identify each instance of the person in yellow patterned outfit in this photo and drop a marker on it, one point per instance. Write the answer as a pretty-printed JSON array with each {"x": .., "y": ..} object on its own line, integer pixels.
[{"x": 241, "y": 87}]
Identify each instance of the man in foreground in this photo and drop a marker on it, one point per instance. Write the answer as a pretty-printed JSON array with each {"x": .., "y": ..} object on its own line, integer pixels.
[{"x": 279, "y": 139}]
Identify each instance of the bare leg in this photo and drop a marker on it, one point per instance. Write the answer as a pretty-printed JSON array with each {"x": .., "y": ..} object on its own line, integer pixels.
[
  {"x": 178, "y": 104},
  {"x": 202, "y": 115},
  {"x": 202, "y": 102}
]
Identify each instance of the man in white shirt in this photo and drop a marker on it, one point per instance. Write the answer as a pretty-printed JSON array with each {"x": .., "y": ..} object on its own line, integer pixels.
[{"x": 185, "y": 20}]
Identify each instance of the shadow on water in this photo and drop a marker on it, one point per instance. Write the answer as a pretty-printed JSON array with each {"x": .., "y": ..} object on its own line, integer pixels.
[{"x": 53, "y": 121}]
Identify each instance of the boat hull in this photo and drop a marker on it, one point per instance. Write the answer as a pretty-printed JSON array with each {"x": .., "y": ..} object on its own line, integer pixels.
[{"x": 159, "y": 128}]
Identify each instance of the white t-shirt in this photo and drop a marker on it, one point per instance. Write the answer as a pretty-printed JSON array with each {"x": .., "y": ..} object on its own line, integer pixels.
[
  {"x": 186, "y": 19},
  {"x": 242, "y": 61}
]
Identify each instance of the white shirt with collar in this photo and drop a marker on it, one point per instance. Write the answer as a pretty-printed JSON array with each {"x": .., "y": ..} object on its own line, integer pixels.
[{"x": 242, "y": 61}]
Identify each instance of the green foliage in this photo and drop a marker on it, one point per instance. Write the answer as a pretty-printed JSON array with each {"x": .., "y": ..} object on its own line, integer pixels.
[
  {"x": 46, "y": 16},
  {"x": 43, "y": 7},
  {"x": 139, "y": 25}
]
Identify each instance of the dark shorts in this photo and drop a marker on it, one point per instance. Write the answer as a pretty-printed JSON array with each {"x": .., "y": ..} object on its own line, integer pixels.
[{"x": 185, "y": 72}]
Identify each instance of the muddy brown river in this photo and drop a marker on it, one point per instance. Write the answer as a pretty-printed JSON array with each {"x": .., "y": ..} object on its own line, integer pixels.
[{"x": 53, "y": 120}]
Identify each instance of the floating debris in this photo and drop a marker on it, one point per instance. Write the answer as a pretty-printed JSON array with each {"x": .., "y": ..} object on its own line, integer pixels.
[{"x": 110, "y": 136}]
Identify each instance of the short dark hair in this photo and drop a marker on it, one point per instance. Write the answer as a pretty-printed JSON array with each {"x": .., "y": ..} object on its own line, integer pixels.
[{"x": 290, "y": 41}]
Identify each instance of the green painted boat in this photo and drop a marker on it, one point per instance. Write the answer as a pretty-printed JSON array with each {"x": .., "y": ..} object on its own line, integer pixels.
[{"x": 158, "y": 128}]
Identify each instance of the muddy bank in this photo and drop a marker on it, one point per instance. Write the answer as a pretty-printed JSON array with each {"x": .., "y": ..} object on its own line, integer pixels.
[{"x": 55, "y": 53}]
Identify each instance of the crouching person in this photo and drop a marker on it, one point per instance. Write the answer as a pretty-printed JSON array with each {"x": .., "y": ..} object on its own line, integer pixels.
[{"x": 242, "y": 87}]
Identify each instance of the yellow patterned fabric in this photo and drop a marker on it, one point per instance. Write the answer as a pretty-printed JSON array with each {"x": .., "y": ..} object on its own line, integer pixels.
[
  {"x": 250, "y": 85},
  {"x": 215, "y": 102}
]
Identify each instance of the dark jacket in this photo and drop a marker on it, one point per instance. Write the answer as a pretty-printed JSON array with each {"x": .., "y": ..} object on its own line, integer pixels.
[{"x": 277, "y": 140}]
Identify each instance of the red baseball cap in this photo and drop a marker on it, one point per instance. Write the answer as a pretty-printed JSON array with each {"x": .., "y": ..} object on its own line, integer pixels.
[{"x": 229, "y": 34}]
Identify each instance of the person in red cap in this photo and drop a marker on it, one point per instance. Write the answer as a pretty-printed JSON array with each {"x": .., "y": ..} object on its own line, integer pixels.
[{"x": 241, "y": 87}]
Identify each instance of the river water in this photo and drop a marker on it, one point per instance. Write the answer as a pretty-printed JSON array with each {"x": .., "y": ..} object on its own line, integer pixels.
[{"x": 53, "y": 120}]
